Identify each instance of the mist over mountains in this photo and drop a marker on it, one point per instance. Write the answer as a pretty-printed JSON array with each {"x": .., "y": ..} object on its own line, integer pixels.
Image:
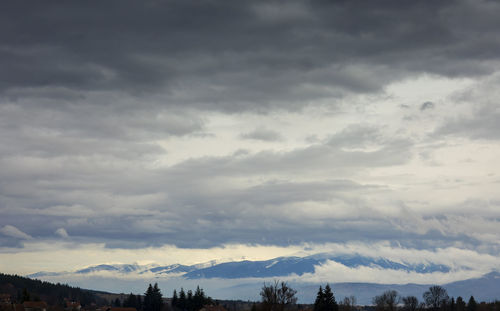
[
  {"x": 243, "y": 279},
  {"x": 277, "y": 267}
]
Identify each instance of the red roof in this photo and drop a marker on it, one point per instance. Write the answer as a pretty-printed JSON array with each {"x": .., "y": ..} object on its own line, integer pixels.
[
  {"x": 121, "y": 309},
  {"x": 35, "y": 304},
  {"x": 213, "y": 308},
  {"x": 18, "y": 307}
]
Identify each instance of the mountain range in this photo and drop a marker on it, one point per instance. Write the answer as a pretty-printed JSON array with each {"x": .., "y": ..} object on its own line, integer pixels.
[
  {"x": 243, "y": 279},
  {"x": 277, "y": 267}
]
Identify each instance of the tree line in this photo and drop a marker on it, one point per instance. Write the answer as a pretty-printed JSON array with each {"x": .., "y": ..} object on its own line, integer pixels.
[
  {"x": 280, "y": 296},
  {"x": 435, "y": 299},
  {"x": 25, "y": 289},
  {"x": 190, "y": 301},
  {"x": 153, "y": 300}
]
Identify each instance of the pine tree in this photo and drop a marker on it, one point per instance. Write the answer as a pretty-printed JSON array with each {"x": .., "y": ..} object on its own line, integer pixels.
[
  {"x": 198, "y": 299},
  {"x": 130, "y": 301},
  {"x": 189, "y": 301},
  {"x": 182, "y": 299},
  {"x": 460, "y": 304},
  {"x": 148, "y": 299},
  {"x": 157, "y": 298},
  {"x": 325, "y": 300},
  {"x": 175, "y": 299},
  {"x": 329, "y": 300},
  {"x": 25, "y": 296},
  {"x": 472, "y": 305},
  {"x": 318, "y": 303},
  {"x": 138, "y": 301}
]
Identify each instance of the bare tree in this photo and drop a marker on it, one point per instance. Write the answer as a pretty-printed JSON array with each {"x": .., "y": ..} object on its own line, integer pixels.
[
  {"x": 436, "y": 297},
  {"x": 275, "y": 297},
  {"x": 387, "y": 301},
  {"x": 410, "y": 303},
  {"x": 349, "y": 303}
]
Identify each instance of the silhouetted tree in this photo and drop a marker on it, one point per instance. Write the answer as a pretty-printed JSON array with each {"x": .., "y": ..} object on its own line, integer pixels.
[
  {"x": 189, "y": 300},
  {"x": 130, "y": 301},
  {"x": 452, "y": 304},
  {"x": 25, "y": 296},
  {"x": 325, "y": 300},
  {"x": 175, "y": 299},
  {"x": 182, "y": 299},
  {"x": 117, "y": 303},
  {"x": 472, "y": 305},
  {"x": 436, "y": 297},
  {"x": 330, "y": 304},
  {"x": 348, "y": 303},
  {"x": 410, "y": 303},
  {"x": 198, "y": 299},
  {"x": 138, "y": 300},
  {"x": 387, "y": 301},
  {"x": 277, "y": 296},
  {"x": 319, "y": 302},
  {"x": 153, "y": 300},
  {"x": 460, "y": 304}
]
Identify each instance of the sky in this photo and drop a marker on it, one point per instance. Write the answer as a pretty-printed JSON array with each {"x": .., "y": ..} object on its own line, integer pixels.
[{"x": 189, "y": 131}]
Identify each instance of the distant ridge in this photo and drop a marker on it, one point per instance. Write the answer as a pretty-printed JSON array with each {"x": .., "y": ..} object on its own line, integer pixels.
[
  {"x": 277, "y": 267},
  {"x": 46, "y": 291}
]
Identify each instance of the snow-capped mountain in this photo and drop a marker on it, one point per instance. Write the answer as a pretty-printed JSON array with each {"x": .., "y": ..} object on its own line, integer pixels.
[{"x": 277, "y": 267}]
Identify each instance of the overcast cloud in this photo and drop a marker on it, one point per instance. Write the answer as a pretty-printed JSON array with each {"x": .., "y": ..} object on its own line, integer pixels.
[{"x": 203, "y": 124}]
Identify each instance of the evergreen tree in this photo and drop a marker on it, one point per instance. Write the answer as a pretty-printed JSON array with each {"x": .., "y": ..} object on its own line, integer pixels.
[
  {"x": 318, "y": 303},
  {"x": 182, "y": 299},
  {"x": 329, "y": 300},
  {"x": 130, "y": 301},
  {"x": 460, "y": 304},
  {"x": 452, "y": 304},
  {"x": 472, "y": 305},
  {"x": 189, "y": 301},
  {"x": 138, "y": 301},
  {"x": 117, "y": 303},
  {"x": 199, "y": 299},
  {"x": 175, "y": 299},
  {"x": 157, "y": 298},
  {"x": 148, "y": 299},
  {"x": 325, "y": 300},
  {"x": 25, "y": 296}
]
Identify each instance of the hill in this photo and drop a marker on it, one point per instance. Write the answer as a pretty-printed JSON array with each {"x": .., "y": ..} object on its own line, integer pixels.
[{"x": 53, "y": 294}]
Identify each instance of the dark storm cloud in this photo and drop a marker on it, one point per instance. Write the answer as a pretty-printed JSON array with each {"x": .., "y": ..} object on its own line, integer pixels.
[
  {"x": 241, "y": 56},
  {"x": 86, "y": 88}
]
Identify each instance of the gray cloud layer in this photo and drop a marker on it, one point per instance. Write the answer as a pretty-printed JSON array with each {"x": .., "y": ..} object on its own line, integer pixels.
[
  {"x": 241, "y": 56},
  {"x": 88, "y": 91}
]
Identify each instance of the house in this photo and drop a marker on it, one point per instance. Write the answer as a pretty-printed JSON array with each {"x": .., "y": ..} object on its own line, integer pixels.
[
  {"x": 35, "y": 306},
  {"x": 116, "y": 309},
  {"x": 5, "y": 298},
  {"x": 73, "y": 306},
  {"x": 213, "y": 308}
]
